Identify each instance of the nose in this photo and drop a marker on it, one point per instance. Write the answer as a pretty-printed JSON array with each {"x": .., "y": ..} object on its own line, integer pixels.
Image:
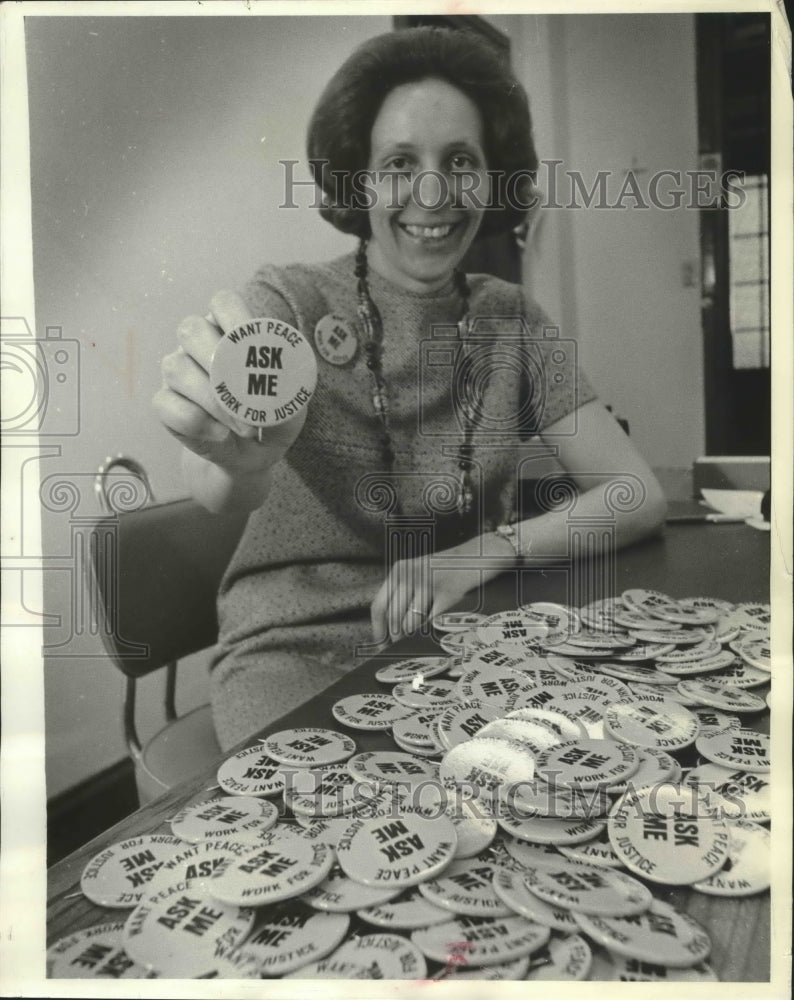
[{"x": 431, "y": 189}]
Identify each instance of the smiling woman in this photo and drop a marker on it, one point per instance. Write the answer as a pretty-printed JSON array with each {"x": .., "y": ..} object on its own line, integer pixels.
[{"x": 429, "y": 381}]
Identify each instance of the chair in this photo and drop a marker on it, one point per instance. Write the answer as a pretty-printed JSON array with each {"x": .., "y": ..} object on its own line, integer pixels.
[{"x": 153, "y": 576}]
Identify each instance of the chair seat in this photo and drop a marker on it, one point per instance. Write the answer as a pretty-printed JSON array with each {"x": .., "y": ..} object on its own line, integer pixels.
[{"x": 177, "y": 752}]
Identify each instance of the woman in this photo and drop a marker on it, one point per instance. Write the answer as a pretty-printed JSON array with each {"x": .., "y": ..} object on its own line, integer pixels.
[{"x": 436, "y": 133}]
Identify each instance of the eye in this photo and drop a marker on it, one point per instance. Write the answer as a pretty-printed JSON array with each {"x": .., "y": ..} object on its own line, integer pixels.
[
  {"x": 463, "y": 161},
  {"x": 399, "y": 164}
]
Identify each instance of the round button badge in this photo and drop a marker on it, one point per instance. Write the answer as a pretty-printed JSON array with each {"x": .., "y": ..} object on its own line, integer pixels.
[
  {"x": 532, "y": 735},
  {"x": 495, "y": 686},
  {"x": 309, "y": 747},
  {"x": 739, "y": 673},
  {"x": 386, "y": 956},
  {"x": 739, "y": 794},
  {"x": 738, "y": 748},
  {"x": 474, "y": 827},
  {"x": 336, "y": 340},
  {"x": 751, "y": 617},
  {"x": 224, "y": 817},
  {"x": 409, "y": 912},
  {"x": 423, "y": 667},
  {"x": 252, "y": 772},
  {"x": 549, "y": 830},
  {"x": 720, "y": 695},
  {"x": 418, "y": 730},
  {"x": 598, "y": 852},
  {"x": 514, "y": 971},
  {"x": 660, "y": 725},
  {"x": 418, "y": 695},
  {"x": 660, "y": 935},
  {"x": 702, "y": 665},
  {"x": 279, "y": 867},
  {"x": 637, "y": 673},
  {"x": 510, "y": 887},
  {"x": 263, "y": 372},
  {"x": 485, "y": 764},
  {"x": 457, "y": 621},
  {"x": 563, "y": 727},
  {"x": 755, "y": 650},
  {"x": 562, "y": 958},
  {"x": 748, "y": 869},
  {"x": 712, "y": 718},
  {"x": 328, "y": 791},
  {"x": 668, "y": 833},
  {"x": 655, "y": 766},
  {"x": 588, "y": 888},
  {"x": 481, "y": 941},
  {"x": 460, "y": 722},
  {"x": 466, "y": 887},
  {"x": 401, "y": 849},
  {"x": 96, "y": 953},
  {"x": 369, "y": 711},
  {"x": 513, "y": 629},
  {"x": 176, "y": 932},
  {"x": 609, "y": 967},
  {"x": 288, "y": 938},
  {"x": 644, "y": 651},
  {"x": 587, "y": 763},
  {"x": 119, "y": 876},
  {"x": 525, "y": 853},
  {"x": 338, "y": 893},
  {"x": 390, "y": 767}
]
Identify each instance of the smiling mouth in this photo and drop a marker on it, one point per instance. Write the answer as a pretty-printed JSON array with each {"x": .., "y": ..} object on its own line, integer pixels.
[{"x": 429, "y": 232}]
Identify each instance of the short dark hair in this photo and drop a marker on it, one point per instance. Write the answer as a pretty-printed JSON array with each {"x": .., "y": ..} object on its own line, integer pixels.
[{"x": 340, "y": 129}]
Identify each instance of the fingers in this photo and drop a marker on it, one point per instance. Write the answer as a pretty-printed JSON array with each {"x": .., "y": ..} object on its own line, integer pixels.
[
  {"x": 198, "y": 336},
  {"x": 186, "y": 378},
  {"x": 187, "y": 420},
  {"x": 403, "y": 602},
  {"x": 229, "y": 310},
  {"x": 186, "y": 370},
  {"x": 377, "y": 614}
]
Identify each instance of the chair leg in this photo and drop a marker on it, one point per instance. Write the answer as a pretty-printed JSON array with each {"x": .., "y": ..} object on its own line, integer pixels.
[
  {"x": 170, "y": 691},
  {"x": 130, "y": 732}
]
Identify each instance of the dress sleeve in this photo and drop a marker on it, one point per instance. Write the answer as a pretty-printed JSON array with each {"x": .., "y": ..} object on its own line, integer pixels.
[
  {"x": 265, "y": 295},
  {"x": 556, "y": 383}
]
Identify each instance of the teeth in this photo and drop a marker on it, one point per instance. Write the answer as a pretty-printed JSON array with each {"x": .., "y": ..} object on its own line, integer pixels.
[{"x": 431, "y": 232}]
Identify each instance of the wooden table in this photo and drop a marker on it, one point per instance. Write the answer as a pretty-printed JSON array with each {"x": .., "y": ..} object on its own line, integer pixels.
[{"x": 729, "y": 561}]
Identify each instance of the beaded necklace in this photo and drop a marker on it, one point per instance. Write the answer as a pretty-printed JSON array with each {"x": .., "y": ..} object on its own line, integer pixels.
[{"x": 373, "y": 326}]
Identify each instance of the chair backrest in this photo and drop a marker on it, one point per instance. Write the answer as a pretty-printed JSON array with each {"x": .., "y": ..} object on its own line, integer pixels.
[{"x": 155, "y": 574}]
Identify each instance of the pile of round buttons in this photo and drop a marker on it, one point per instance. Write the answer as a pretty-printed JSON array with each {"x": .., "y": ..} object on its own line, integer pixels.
[{"x": 551, "y": 771}]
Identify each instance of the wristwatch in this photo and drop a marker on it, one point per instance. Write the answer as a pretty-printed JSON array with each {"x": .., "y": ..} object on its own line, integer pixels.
[{"x": 508, "y": 531}]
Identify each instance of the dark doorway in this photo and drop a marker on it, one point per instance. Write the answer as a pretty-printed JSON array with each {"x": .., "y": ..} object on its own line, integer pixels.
[{"x": 734, "y": 115}]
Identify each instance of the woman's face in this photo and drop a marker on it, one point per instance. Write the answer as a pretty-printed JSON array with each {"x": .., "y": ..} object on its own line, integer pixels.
[{"x": 425, "y": 133}]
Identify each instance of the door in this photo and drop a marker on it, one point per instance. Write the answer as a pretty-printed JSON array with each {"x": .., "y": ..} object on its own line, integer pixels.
[{"x": 733, "y": 52}]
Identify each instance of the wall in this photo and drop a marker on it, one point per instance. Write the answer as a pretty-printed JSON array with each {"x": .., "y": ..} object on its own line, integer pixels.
[
  {"x": 155, "y": 147},
  {"x": 622, "y": 97}
]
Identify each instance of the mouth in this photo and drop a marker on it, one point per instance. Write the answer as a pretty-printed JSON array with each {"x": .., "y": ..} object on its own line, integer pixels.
[{"x": 431, "y": 235}]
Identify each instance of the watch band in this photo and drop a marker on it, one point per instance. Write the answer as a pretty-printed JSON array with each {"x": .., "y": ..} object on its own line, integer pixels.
[{"x": 508, "y": 531}]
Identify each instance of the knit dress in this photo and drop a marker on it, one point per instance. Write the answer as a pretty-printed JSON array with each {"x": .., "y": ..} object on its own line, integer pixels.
[{"x": 293, "y": 605}]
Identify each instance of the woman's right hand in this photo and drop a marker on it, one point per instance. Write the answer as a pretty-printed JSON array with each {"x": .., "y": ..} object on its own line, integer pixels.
[{"x": 187, "y": 407}]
